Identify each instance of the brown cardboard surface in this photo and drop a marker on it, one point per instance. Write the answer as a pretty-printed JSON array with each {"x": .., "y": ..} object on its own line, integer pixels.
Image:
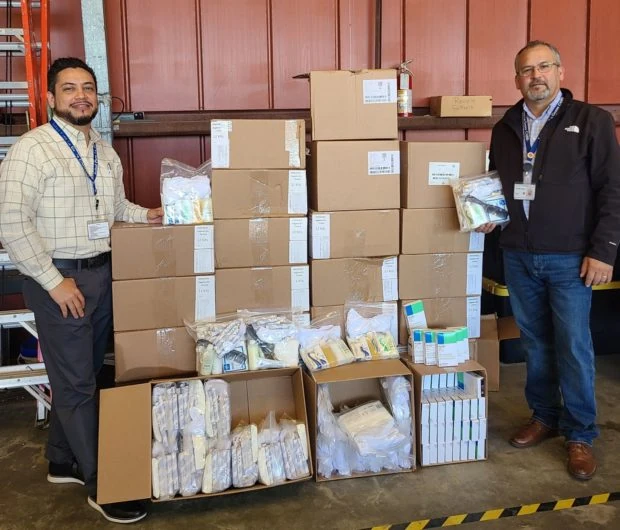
[
  {"x": 126, "y": 411},
  {"x": 434, "y": 276},
  {"x": 124, "y": 458},
  {"x": 338, "y": 110},
  {"x": 354, "y": 234},
  {"x": 327, "y": 311},
  {"x": 336, "y": 281},
  {"x": 243, "y": 194},
  {"x": 260, "y": 242},
  {"x": 415, "y": 157},
  {"x": 258, "y": 144},
  {"x": 155, "y": 303},
  {"x": 341, "y": 179},
  {"x": 467, "y": 106},
  {"x": 153, "y": 353},
  {"x": 156, "y": 251},
  {"x": 262, "y": 287},
  {"x": 360, "y": 370},
  {"x": 486, "y": 351},
  {"x": 432, "y": 230},
  {"x": 507, "y": 328}
]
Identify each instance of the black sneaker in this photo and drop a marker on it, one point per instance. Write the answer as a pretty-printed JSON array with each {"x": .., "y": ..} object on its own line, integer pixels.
[
  {"x": 120, "y": 512},
  {"x": 64, "y": 474}
]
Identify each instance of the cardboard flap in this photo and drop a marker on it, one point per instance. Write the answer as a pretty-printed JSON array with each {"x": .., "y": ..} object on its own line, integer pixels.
[
  {"x": 507, "y": 328},
  {"x": 124, "y": 444},
  {"x": 361, "y": 370}
]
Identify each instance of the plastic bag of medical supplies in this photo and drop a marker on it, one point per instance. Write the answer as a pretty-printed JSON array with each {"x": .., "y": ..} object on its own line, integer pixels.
[
  {"x": 322, "y": 345},
  {"x": 369, "y": 331},
  {"x": 479, "y": 199},
  {"x": 185, "y": 193}
]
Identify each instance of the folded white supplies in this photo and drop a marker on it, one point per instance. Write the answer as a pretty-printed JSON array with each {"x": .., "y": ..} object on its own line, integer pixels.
[
  {"x": 369, "y": 331},
  {"x": 294, "y": 442},
  {"x": 372, "y": 430},
  {"x": 217, "y": 474},
  {"x": 479, "y": 199},
  {"x": 244, "y": 456},
  {"x": 185, "y": 193},
  {"x": 164, "y": 472},
  {"x": 270, "y": 458},
  {"x": 334, "y": 451},
  {"x": 217, "y": 408},
  {"x": 165, "y": 416},
  {"x": 398, "y": 393},
  {"x": 322, "y": 346},
  {"x": 272, "y": 340},
  {"x": 220, "y": 345}
]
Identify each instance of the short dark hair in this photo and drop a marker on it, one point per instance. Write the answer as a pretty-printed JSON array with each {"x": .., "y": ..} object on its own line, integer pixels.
[
  {"x": 62, "y": 64},
  {"x": 535, "y": 44}
]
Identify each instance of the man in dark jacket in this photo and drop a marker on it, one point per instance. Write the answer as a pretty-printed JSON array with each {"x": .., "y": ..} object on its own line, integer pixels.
[{"x": 559, "y": 163}]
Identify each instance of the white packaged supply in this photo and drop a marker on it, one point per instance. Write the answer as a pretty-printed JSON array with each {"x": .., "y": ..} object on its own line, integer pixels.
[
  {"x": 270, "y": 458},
  {"x": 217, "y": 474},
  {"x": 244, "y": 455},
  {"x": 165, "y": 416},
  {"x": 272, "y": 340},
  {"x": 164, "y": 473},
  {"x": 293, "y": 440},
  {"x": 369, "y": 331},
  {"x": 322, "y": 347},
  {"x": 217, "y": 408},
  {"x": 398, "y": 393}
]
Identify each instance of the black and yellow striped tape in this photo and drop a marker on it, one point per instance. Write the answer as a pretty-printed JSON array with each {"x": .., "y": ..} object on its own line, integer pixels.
[{"x": 501, "y": 513}]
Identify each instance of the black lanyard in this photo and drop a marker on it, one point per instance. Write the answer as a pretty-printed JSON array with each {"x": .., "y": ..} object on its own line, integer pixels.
[{"x": 74, "y": 150}]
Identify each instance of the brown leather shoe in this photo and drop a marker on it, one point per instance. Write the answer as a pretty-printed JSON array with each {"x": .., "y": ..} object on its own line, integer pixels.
[
  {"x": 532, "y": 434},
  {"x": 581, "y": 461}
]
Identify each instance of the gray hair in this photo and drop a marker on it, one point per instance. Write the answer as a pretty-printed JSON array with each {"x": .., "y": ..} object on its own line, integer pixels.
[{"x": 535, "y": 44}]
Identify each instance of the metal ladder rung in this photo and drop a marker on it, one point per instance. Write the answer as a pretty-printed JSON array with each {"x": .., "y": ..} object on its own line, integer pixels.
[
  {"x": 6, "y": 104},
  {"x": 13, "y": 97},
  {"x": 12, "y": 32},
  {"x": 18, "y": 4},
  {"x": 13, "y": 85}
]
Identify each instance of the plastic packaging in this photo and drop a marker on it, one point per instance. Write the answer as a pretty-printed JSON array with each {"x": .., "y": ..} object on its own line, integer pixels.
[
  {"x": 369, "y": 331},
  {"x": 294, "y": 442},
  {"x": 217, "y": 408},
  {"x": 217, "y": 474},
  {"x": 479, "y": 199},
  {"x": 185, "y": 193},
  {"x": 165, "y": 416},
  {"x": 244, "y": 456},
  {"x": 398, "y": 393},
  {"x": 270, "y": 458},
  {"x": 321, "y": 344}
]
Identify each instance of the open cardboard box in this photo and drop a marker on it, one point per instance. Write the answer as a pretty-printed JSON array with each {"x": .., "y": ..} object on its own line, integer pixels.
[
  {"x": 125, "y": 430},
  {"x": 352, "y": 385}
]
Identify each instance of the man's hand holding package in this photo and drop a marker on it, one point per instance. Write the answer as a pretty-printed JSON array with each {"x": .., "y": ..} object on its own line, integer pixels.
[
  {"x": 486, "y": 228},
  {"x": 69, "y": 298}
]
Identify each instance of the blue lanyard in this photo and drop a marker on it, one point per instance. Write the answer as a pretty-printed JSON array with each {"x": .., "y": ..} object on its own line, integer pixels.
[
  {"x": 530, "y": 149},
  {"x": 74, "y": 150}
]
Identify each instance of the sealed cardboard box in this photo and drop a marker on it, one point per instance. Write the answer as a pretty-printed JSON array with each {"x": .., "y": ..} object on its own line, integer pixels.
[
  {"x": 440, "y": 275},
  {"x": 162, "y": 302},
  {"x": 362, "y": 175},
  {"x": 262, "y": 242},
  {"x": 258, "y": 144},
  {"x": 244, "y": 194},
  {"x": 445, "y": 313},
  {"x": 427, "y": 168},
  {"x": 125, "y": 427},
  {"x": 432, "y": 230},
  {"x": 353, "y": 234},
  {"x": 155, "y": 251},
  {"x": 349, "y": 386},
  {"x": 347, "y": 105},
  {"x": 465, "y": 106},
  {"x": 263, "y": 288},
  {"x": 336, "y": 281},
  {"x": 153, "y": 353}
]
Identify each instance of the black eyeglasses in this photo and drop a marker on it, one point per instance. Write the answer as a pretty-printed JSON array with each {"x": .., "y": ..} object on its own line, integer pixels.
[{"x": 543, "y": 68}]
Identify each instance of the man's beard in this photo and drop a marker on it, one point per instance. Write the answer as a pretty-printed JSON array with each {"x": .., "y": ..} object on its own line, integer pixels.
[
  {"x": 538, "y": 96},
  {"x": 79, "y": 121}
]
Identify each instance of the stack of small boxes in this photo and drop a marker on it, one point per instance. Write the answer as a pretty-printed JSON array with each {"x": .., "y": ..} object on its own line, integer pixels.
[
  {"x": 354, "y": 189},
  {"x": 438, "y": 264},
  {"x": 260, "y": 206}
]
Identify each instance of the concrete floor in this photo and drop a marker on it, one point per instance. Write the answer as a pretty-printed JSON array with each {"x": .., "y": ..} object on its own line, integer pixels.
[{"x": 511, "y": 477}]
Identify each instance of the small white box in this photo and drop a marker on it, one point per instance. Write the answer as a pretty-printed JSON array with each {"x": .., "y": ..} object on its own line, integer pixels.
[
  {"x": 481, "y": 450},
  {"x": 456, "y": 451},
  {"x": 466, "y": 431},
  {"x": 441, "y": 453},
  {"x": 475, "y": 429},
  {"x": 464, "y": 450},
  {"x": 471, "y": 453},
  {"x": 426, "y": 455},
  {"x": 441, "y": 432},
  {"x": 483, "y": 429},
  {"x": 425, "y": 433},
  {"x": 434, "y": 456},
  {"x": 433, "y": 434},
  {"x": 449, "y": 452}
]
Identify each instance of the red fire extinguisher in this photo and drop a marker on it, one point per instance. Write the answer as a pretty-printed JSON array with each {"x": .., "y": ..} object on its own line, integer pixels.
[{"x": 405, "y": 86}]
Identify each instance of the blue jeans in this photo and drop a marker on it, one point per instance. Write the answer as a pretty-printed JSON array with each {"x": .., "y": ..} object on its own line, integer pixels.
[{"x": 551, "y": 306}]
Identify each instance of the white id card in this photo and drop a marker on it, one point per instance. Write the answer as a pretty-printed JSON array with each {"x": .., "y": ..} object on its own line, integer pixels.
[
  {"x": 524, "y": 192},
  {"x": 98, "y": 230}
]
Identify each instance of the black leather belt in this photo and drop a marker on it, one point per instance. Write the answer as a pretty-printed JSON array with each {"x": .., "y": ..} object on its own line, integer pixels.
[{"x": 82, "y": 264}]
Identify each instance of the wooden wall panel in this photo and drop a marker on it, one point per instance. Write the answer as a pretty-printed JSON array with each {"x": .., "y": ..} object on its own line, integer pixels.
[
  {"x": 604, "y": 52},
  {"x": 479, "y": 135},
  {"x": 147, "y": 155},
  {"x": 392, "y": 25},
  {"x": 435, "y": 38},
  {"x": 163, "y": 55},
  {"x": 66, "y": 37},
  {"x": 357, "y": 34},
  {"x": 304, "y": 39},
  {"x": 123, "y": 148},
  {"x": 497, "y": 30},
  {"x": 235, "y": 52},
  {"x": 439, "y": 135},
  {"x": 571, "y": 44},
  {"x": 115, "y": 19}
]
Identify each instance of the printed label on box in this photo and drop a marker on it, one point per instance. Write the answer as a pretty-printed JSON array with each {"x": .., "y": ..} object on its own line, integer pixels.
[
  {"x": 204, "y": 261},
  {"x": 321, "y": 240},
  {"x": 384, "y": 162},
  {"x": 379, "y": 91},
  {"x": 440, "y": 173},
  {"x": 473, "y": 316},
  {"x": 205, "y": 297},
  {"x": 203, "y": 236},
  {"x": 300, "y": 288},
  {"x": 298, "y": 240},
  {"x": 474, "y": 274},
  {"x": 220, "y": 144},
  {"x": 476, "y": 242},
  {"x": 297, "y": 192},
  {"x": 389, "y": 274}
]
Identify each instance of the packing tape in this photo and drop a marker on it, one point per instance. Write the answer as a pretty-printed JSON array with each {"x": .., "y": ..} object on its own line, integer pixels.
[
  {"x": 165, "y": 343},
  {"x": 356, "y": 272},
  {"x": 162, "y": 243},
  {"x": 262, "y": 287},
  {"x": 292, "y": 131},
  {"x": 355, "y": 244},
  {"x": 259, "y": 241},
  {"x": 259, "y": 193}
]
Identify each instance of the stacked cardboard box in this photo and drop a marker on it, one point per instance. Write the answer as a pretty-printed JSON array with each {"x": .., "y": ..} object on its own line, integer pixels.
[
  {"x": 354, "y": 187},
  {"x": 438, "y": 264},
  {"x": 260, "y": 206}
]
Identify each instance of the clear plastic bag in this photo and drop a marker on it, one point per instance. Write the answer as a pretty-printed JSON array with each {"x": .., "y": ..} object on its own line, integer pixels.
[
  {"x": 244, "y": 456},
  {"x": 398, "y": 393},
  {"x": 479, "y": 199},
  {"x": 321, "y": 344},
  {"x": 217, "y": 474},
  {"x": 369, "y": 331},
  {"x": 185, "y": 192},
  {"x": 217, "y": 409},
  {"x": 165, "y": 416},
  {"x": 164, "y": 476},
  {"x": 270, "y": 458},
  {"x": 293, "y": 440}
]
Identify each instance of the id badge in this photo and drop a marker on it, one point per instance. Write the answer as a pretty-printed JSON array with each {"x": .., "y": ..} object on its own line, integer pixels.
[
  {"x": 98, "y": 230},
  {"x": 524, "y": 192}
]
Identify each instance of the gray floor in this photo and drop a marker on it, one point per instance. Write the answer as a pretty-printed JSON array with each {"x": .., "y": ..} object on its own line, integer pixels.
[{"x": 510, "y": 477}]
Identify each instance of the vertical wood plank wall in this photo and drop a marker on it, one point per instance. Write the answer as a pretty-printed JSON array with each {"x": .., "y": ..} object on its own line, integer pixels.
[{"x": 242, "y": 54}]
